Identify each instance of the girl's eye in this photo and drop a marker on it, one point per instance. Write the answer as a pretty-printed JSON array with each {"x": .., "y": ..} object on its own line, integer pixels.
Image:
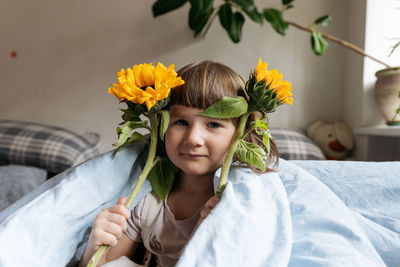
[
  {"x": 181, "y": 123},
  {"x": 214, "y": 125}
]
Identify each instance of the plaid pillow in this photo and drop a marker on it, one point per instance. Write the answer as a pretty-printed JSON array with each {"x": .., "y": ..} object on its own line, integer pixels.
[
  {"x": 51, "y": 148},
  {"x": 293, "y": 144}
]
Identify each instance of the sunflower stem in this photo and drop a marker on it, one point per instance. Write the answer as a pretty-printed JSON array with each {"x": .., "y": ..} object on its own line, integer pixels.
[
  {"x": 147, "y": 167},
  {"x": 227, "y": 162}
]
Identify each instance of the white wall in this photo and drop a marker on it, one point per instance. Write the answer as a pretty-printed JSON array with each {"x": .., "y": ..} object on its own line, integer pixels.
[{"x": 70, "y": 51}]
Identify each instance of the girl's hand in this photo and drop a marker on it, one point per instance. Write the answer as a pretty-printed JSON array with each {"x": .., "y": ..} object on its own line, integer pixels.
[
  {"x": 210, "y": 204},
  {"x": 109, "y": 225}
]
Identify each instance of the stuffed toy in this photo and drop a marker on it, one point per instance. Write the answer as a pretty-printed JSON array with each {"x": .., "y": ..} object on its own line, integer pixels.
[{"x": 334, "y": 139}]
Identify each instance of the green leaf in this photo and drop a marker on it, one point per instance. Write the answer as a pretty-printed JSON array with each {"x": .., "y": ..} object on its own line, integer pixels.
[
  {"x": 130, "y": 115},
  {"x": 199, "y": 14},
  {"x": 259, "y": 89},
  {"x": 161, "y": 7},
  {"x": 261, "y": 128},
  {"x": 225, "y": 16},
  {"x": 286, "y": 2},
  {"x": 274, "y": 17},
  {"x": 252, "y": 154},
  {"x": 318, "y": 44},
  {"x": 162, "y": 177},
  {"x": 236, "y": 27},
  {"x": 266, "y": 142},
  {"x": 324, "y": 20},
  {"x": 164, "y": 123},
  {"x": 136, "y": 137},
  {"x": 250, "y": 9},
  {"x": 139, "y": 109},
  {"x": 226, "y": 108},
  {"x": 123, "y": 134},
  {"x": 232, "y": 22},
  {"x": 391, "y": 52}
]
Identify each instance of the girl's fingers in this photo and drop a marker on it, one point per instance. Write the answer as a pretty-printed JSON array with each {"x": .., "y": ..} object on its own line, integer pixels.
[
  {"x": 114, "y": 229},
  {"x": 109, "y": 239},
  {"x": 118, "y": 219},
  {"x": 120, "y": 209},
  {"x": 204, "y": 213},
  {"x": 100, "y": 237},
  {"x": 121, "y": 201},
  {"x": 212, "y": 202}
]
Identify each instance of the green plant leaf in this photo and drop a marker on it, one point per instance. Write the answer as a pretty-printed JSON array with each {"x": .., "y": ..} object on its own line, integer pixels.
[
  {"x": 164, "y": 123},
  {"x": 225, "y": 16},
  {"x": 318, "y": 44},
  {"x": 231, "y": 22},
  {"x": 324, "y": 20},
  {"x": 266, "y": 142},
  {"x": 162, "y": 177},
  {"x": 250, "y": 9},
  {"x": 286, "y": 2},
  {"x": 123, "y": 134},
  {"x": 252, "y": 154},
  {"x": 226, "y": 108},
  {"x": 136, "y": 137},
  {"x": 161, "y": 7},
  {"x": 236, "y": 27},
  {"x": 199, "y": 14},
  {"x": 130, "y": 115},
  {"x": 260, "y": 89},
  {"x": 393, "y": 49},
  {"x": 261, "y": 128},
  {"x": 274, "y": 17}
]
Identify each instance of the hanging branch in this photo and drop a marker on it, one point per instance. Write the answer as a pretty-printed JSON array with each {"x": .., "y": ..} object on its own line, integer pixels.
[
  {"x": 231, "y": 14},
  {"x": 340, "y": 42}
]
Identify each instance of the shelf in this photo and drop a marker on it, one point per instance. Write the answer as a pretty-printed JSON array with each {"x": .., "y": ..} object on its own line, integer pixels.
[{"x": 378, "y": 130}]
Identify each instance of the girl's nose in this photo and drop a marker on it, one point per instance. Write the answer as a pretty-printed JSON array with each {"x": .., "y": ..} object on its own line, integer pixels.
[{"x": 194, "y": 136}]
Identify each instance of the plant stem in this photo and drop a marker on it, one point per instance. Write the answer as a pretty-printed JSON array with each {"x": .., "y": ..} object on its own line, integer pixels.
[
  {"x": 231, "y": 152},
  {"x": 147, "y": 167},
  {"x": 339, "y": 41}
]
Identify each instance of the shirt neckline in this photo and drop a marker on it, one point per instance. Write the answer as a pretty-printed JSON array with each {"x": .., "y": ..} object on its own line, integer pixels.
[{"x": 184, "y": 221}]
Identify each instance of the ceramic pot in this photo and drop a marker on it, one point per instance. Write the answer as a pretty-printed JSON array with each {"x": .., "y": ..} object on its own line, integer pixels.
[{"x": 387, "y": 89}]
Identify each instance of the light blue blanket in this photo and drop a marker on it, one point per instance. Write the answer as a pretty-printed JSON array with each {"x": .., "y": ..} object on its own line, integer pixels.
[{"x": 310, "y": 213}]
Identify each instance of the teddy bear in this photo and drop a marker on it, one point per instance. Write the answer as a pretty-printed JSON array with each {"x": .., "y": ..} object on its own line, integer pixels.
[{"x": 334, "y": 139}]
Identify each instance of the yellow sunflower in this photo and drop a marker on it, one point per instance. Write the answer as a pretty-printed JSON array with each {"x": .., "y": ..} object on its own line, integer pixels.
[
  {"x": 145, "y": 83},
  {"x": 283, "y": 89}
]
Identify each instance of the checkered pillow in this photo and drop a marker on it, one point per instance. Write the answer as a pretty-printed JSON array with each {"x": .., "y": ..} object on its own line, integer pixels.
[
  {"x": 293, "y": 144},
  {"x": 51, "y": 148}
]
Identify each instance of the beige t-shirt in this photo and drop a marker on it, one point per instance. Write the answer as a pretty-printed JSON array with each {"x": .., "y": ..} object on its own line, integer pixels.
[{"x": 168, "y": 235}]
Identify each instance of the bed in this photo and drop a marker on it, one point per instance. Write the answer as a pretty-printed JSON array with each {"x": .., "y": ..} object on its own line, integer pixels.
[
  {"x": 309, "y": 213},
  {"x": 31, "y": 153}
]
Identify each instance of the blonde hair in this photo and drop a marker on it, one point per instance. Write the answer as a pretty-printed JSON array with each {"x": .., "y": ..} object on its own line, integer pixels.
[{"x": 206, "y": 82}]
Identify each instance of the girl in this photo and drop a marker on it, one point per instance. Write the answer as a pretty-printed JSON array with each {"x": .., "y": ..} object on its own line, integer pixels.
[{"x": 197, "y": 145}]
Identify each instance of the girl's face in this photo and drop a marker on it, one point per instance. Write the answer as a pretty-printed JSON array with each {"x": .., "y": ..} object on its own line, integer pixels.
[{"x": 196, "y": 144}]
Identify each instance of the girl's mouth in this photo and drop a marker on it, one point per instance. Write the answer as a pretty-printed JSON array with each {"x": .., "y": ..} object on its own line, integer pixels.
[{"x": 192, "y": 155}]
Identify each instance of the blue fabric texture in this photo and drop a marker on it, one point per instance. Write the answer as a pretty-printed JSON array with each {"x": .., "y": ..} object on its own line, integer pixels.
[{"x": 310, "y": 213}]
